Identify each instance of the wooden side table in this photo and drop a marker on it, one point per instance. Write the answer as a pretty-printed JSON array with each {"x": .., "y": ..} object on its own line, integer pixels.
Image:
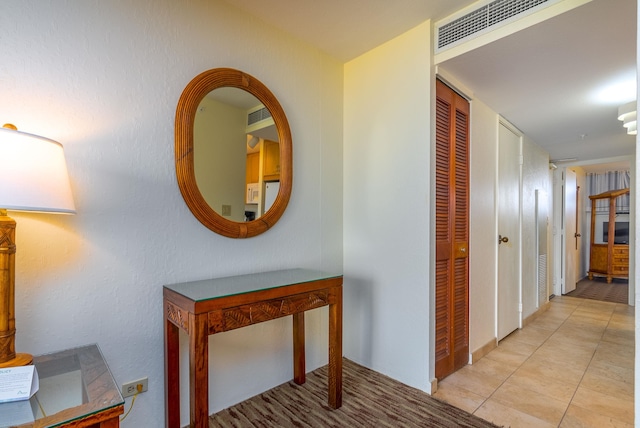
[
  {"x": 76, "y": 390},
  {"x": 201, "y": 308}
]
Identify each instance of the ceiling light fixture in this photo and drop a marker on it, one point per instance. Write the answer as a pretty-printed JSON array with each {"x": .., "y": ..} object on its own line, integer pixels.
[
  {"x": 627, "y": 114},
  {"x": 252, "y": 141}
]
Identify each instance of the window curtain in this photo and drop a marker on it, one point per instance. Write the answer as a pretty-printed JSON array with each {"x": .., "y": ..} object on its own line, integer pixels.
[{"x": 611, "y": 180}]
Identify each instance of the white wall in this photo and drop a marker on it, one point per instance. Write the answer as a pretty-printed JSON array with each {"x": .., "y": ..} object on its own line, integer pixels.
[
  {"x": 104, "y": 78},
  {"x": 483, "y": 233},
  {"x": 219, "y": 147},
  {"x": 535, "y": 175},
  {"x": 387, "y": 193}
]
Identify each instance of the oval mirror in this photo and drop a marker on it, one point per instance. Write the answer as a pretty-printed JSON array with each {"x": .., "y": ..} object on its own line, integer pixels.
[{"x": 233, "y": 153}]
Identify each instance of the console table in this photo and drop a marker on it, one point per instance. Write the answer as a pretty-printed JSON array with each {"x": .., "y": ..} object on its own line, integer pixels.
[
  {"x": 76, "y": 390},
  {"x": 201, "y": 308}
]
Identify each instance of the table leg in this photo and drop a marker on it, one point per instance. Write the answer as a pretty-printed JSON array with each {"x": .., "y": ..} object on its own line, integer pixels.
[
  {"x": 335, "y": 350},
  {"x": 299, "y": 369},
  {"x": 171, "y": 375},
  {"x": 199, "y": 371}
]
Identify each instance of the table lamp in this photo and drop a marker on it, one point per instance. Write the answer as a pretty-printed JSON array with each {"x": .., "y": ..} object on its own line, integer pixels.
[{"x": 34, "y": 178}]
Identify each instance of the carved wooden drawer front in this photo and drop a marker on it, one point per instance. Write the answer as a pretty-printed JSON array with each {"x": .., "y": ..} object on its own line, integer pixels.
[
  {"x": 242, "y": 316},
  {"x": 620, "y": 269},
  {"x": 620, "y": 260}
]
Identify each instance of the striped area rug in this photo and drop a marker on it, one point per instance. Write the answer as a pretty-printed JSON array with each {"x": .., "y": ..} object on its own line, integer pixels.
[
  {"x": 598, "y": 289},
  {"x": 369, "y": 400}
]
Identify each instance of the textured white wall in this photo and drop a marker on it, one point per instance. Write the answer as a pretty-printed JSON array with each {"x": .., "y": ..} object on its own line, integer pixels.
[
  {"x": 387, "y": 191},
  {"x": 220, "y": 147},
  {"x": 483, "y": 231},
  {"x": 104, "y": 78},
  {"x": 535, "y": 175}
]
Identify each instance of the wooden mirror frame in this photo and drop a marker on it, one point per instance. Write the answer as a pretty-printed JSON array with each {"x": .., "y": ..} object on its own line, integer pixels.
[{"x": 188, "y": 104}]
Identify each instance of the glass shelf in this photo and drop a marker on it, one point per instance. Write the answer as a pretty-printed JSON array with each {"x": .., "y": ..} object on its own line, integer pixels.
[
  {"x": 207, "y": 289},
  {"x": 75, "y": 384}
]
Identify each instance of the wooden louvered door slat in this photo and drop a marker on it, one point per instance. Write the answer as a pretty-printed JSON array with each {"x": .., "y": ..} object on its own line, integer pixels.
[{"x": 452, "y": 231}]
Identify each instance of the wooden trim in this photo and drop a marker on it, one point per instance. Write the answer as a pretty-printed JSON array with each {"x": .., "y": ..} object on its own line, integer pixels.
[
  {"x": 109, "y": 418},
  {"x": 484, "y": 350},
  {"x": 541, "y": 310},
  {"x": 434, "y": 386}
]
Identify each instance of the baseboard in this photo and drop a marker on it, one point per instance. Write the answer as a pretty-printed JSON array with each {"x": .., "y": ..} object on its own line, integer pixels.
[
  {"x": 473, "y": 358},
  {"x": 434, "y": 386},
  {"x": 484, "y": 350},
  {"x": 542, "y": 309}
]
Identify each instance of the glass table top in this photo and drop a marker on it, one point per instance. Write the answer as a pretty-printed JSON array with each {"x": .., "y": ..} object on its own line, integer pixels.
[
  {"x": 74, "y": 384},
  {"x": 233, "y": 285}
]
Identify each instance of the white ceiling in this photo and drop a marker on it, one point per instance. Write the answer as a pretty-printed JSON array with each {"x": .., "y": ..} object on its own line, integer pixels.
[
  {"x": 547, "y": 79},
  {"x": 542, "y": 79},
  {"x": 348, "y": 28}
]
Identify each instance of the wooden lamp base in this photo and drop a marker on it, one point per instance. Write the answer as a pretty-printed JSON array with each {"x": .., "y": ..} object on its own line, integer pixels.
[
  {"x": 19, "y": 360},
  {"x": 8, "y": 356}
]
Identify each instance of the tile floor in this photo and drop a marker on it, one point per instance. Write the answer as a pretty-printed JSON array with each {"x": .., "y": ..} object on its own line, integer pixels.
[{"x": 571, "y": 367}]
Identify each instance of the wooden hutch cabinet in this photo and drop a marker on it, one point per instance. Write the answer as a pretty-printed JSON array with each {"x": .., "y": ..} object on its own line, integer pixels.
[{"x": 608, "y": 259}]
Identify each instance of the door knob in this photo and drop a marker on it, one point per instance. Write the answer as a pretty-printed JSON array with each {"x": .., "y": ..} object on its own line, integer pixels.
[
  {"x": 502, "y": 239},
  {"x": 577, "y": 235}
]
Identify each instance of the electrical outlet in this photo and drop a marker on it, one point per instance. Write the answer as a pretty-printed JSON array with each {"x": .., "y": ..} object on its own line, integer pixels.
[{"x": 130, "y": 388}]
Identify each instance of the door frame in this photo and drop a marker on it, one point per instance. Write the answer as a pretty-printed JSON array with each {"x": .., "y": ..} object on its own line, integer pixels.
[{"x": 557, "y": 169}]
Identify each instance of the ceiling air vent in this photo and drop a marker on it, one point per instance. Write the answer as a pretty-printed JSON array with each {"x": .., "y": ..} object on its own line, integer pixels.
[
  {"x": 483, "y": 18},
  {"x": 258, "y": 115}
]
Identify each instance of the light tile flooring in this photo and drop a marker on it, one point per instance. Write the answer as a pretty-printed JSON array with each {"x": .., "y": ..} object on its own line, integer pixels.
[{"x": 573, "y": 366}]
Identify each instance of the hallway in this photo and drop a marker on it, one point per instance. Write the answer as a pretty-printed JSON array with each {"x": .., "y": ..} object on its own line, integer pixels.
[{"x": 573, "y": 366}]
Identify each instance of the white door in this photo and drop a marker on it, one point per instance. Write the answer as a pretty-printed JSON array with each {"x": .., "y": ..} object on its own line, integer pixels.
[
  {"x": 270, "y": 192},
  {"x": 509, "y": 155},
  {"x": 570, "y": 232}
]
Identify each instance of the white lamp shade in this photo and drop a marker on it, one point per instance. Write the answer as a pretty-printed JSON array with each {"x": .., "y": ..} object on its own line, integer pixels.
[{"x": 34, "y": 174}]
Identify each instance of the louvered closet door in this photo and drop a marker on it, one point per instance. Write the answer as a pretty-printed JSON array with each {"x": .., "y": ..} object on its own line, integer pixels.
[{"x": 452, "y": 231}]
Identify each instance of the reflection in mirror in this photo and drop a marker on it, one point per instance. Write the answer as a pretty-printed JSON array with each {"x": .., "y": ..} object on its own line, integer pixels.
[
  {"x": 236, "y": 154},
  {"x": 233, "y": 153}
]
